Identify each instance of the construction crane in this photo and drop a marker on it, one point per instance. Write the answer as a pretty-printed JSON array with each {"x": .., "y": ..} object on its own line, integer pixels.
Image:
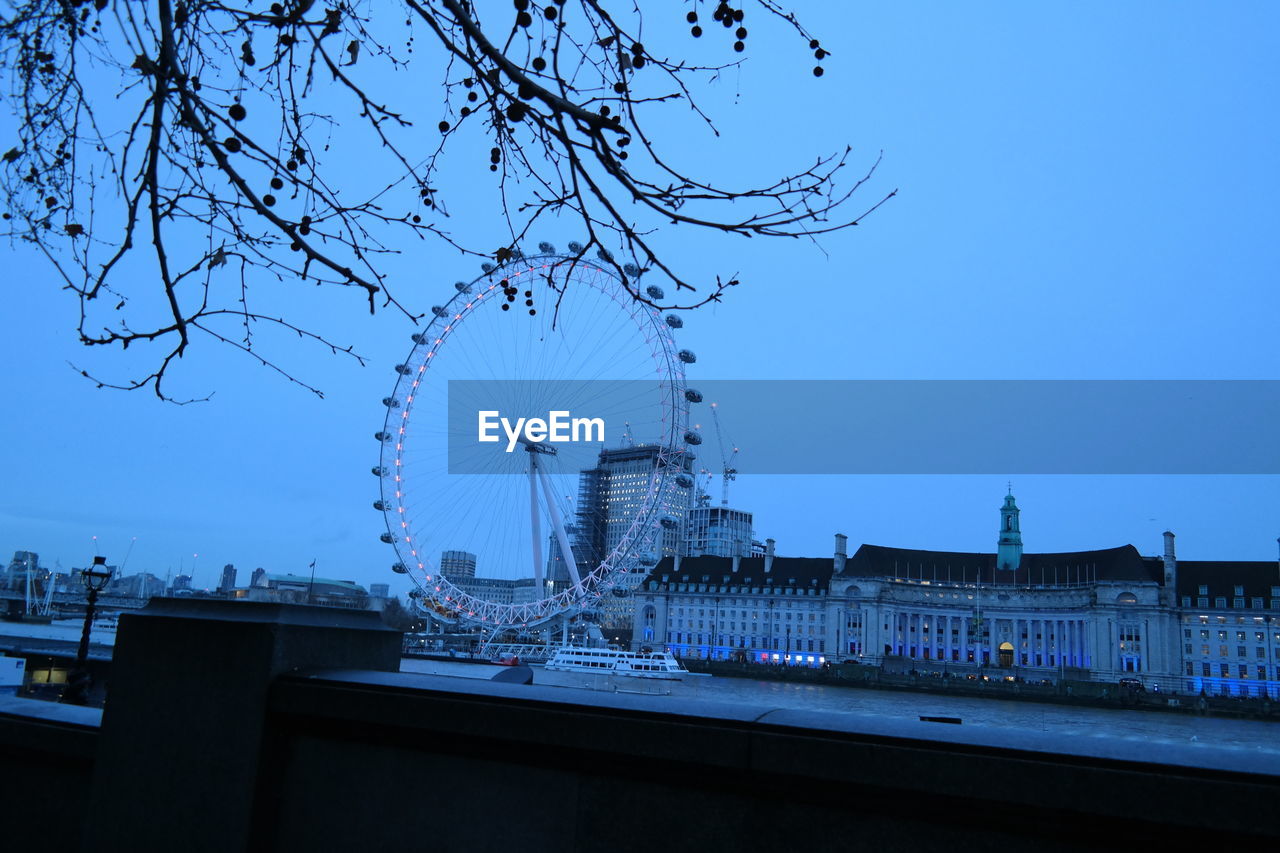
[
  {"x": 703, "y": 496},
  {"x": 123, "y": 562},
  {"x": 728, "y": 473}
]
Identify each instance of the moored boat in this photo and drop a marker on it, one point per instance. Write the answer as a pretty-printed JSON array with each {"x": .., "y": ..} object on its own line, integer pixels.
[{"x": 642, "y": 664}]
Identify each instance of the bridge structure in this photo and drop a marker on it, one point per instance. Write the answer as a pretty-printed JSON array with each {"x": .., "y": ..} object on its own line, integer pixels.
[{"x": 72, "y": 601}]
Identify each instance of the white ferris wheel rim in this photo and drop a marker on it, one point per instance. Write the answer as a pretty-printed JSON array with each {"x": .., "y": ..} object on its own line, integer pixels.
[{"x": 450, "y": 602}]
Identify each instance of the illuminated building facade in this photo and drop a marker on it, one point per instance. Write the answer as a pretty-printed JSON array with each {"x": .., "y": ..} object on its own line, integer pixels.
[
  {"x": 1230, "y": 626},
  {"x": 1099, "y": 615}
]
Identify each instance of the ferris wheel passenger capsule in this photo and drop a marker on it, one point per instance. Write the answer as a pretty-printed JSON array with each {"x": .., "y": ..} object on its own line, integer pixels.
[
  {"x": 632, "y": 270},
  {"x": 487, "y": 267},
  {"x": 379, "y": 471},
  {"x": 382, "y": 436},
  {"x": 380, "y": 506},
  {"x": 462, "y": 287},
  {"x": 403, "y": 369},
  {"x": 575, "y": 247},
  {"x": 546, "y": 248},
  {"x": 655, "y": 292},
  {"x": 417, "y": 337},
  {"x": 648, "y": 559},
  {"x": 675, "y": 322},
  {"x": 400, "y": 569},
  {"x": 387, "y": 538},
  {"x": 686, "y": 356},
  {"x": 670, "y": 522},
  {"x": 684, "y": 481},
  {"x": 693, "y": 395},
  {"x": 604, "y": 255},
  {"x": 693, "y": 438},
  {"x": 391, "y": 402},
  {"x": 439, "y": 310}
]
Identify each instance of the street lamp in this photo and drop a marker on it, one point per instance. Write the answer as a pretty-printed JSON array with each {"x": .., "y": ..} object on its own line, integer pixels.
[{"x": 94, "y": 578}]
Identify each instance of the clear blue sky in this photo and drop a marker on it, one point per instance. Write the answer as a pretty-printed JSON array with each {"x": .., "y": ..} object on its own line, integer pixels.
[{"x": 1087, "y": 190}]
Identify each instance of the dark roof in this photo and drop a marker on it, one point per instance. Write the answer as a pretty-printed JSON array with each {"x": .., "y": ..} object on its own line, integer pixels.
[
  {"x": 799, "y": 572},
  {"x": 1223, "y": 576},
  {"x": 1107, "y": 564}
]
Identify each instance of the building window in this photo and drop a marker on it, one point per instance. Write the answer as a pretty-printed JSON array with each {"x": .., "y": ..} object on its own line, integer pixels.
[
  {"x": 1238, "y": 602},
  {"x": 1239, "y": 590},
  {"x": 1204, "y": 670},
  {"x": 1204, "y": 650},
  {"x": 1204, "y": 590},
  {"x": 1257, "y": 604},
  {"x": 1224, "y": 670},
  {"x": 1244, "y": 671},
  {"x": 1220, "y": 602},
  {"x": 1186, "y": 601},
  {"x": 1222, "y": 652},
  {"x": 1239, "y": 651},
  {"x": 1202, "y": 602},
  {"x": 1260, "y": 653},
  {"x": 1262, "y": 673}
]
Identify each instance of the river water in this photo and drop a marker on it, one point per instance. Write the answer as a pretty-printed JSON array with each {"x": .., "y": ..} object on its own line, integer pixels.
[{"x": 1135, "y": 732}]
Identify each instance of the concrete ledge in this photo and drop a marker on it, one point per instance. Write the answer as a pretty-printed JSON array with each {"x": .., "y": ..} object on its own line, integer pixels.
[
  {"x": 841, "y": 770},
  {"x": 49, "y": 728},
  {"x": 46, "y": 764}
]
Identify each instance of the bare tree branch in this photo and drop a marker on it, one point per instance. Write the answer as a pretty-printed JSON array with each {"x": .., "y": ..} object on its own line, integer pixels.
[{"x": 221, "y": 132}]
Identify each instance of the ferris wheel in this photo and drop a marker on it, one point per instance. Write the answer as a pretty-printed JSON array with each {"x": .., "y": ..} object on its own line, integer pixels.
[{"x": 495, "y": 535}]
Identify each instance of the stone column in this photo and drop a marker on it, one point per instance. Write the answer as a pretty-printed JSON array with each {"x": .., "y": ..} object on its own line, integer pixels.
[
  {"x": 946, "y": 638},
  {"x": 174, "y": 763}
]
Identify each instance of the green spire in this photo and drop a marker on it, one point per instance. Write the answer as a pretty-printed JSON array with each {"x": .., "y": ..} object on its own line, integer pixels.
[{"x": 1009, "y": 552}]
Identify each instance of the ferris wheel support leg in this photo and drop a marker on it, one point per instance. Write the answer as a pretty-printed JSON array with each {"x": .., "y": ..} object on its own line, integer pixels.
[
  {"x": 561, "y": 537},
  {"x": 535, "y": 526}
]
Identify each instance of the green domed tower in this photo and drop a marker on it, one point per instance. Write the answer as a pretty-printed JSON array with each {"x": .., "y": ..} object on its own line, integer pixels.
[{"x": 1009, "y": 553}]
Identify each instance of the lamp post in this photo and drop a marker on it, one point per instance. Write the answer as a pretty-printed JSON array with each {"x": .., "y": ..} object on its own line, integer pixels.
[{"x": 94, "y": 578}]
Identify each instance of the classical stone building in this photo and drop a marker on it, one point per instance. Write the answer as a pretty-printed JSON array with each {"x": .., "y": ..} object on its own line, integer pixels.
[{"x": 1101, "y": 615}]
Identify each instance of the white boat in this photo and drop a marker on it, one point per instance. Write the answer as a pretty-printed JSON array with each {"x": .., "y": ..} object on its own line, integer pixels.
[{"x": 614, "y": 662}]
